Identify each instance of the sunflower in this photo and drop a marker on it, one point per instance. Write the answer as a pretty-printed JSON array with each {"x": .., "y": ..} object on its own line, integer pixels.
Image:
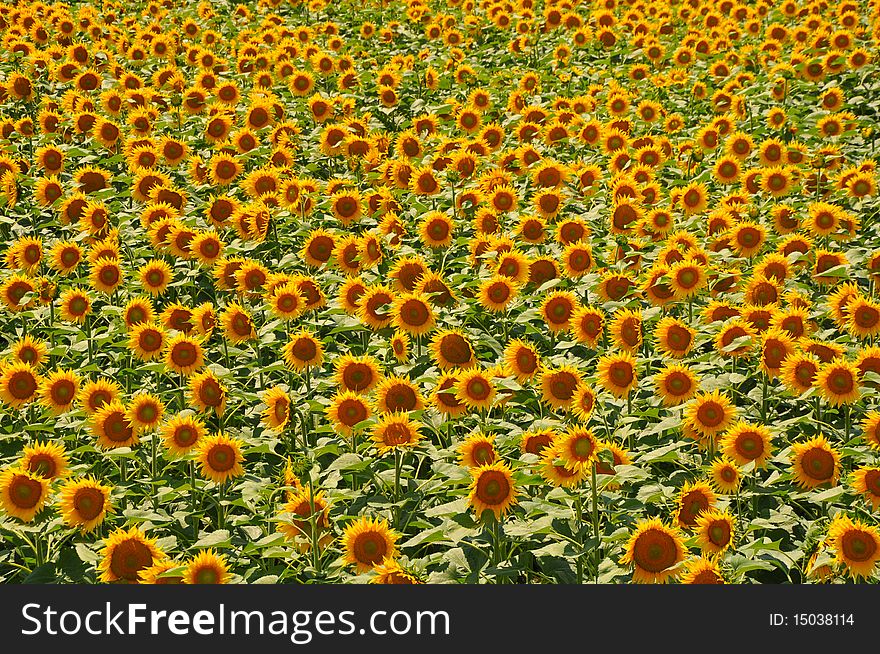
[
  {"x": 588, "y": 325},
  {"x": 798, "y": 371},
  {"x": 106, "y": 275},
  {"x": 397, "y": 393},
  {"x": 735, "y": 338},
  {"x": 126, "y": 554},
  {"x": 238, "y": 326},
  {"x": 702, "y": 570},
  {"x": 137, "y": 311},
  {"x": 304, "y": 509},
  {"x": 445, "y": 396},
  {"x": 58, "y": 390},
  {"x": 75, "y": 305},
  {"x": 413, "y": 314},
  {"x": 871, "y": 429},
  {"x": 155, "y": 276},
  {"x": 655, "y": 551},
  {"x": 521, "y": 359},
  {"x": 558, "y": 385},
  {"x": 84, "y": 503},
  {"x": 93, "y": 395},
  {"x": 814, "y": 463},
  {"x": 368, "y": 542},
  {"x": 452, "y": 349},
  {"x": 838, "y": 382},
  {"x": 389, "y": 571},
  {"x": 676, "y": 384},
  {"x": 477, "y": 450},
  {"x": 22, "y": 493},
  {"x": 183, "y": 354},
  {"x": 693, "y": 499},
  {"x": 866, "y": 481},
  {"x": 207, "y": 392},
  {"x": 19, "y": 384},
  {"x": 162, "y": 572},
  {"x": 617, "y": 373},
  {"x": 277, "y": 411},
  {"x": 776, "y": 347},
  {"x": 626, "y": 329},
  {"x": 724, "y": 475},
  {"x": 687, "y": 278},
  {"x": 497, "y": 292},
  {"x": 29, "y": 350},
  {"x": 47, "y": 460},
  {"x": 864, "y": 318},
  {"x": 303, "y": 351},
  {"x": 710, "y": 413},
  {"x": 372, "y": 311},
  {"x": 492, "y": 489},
  {"x": 577, "y": 259},
  {"x": 475, "y": 389},
  {"x": 220, "y": 458},
  {"x": 856, "y": 545},
  {"x": 359, "y": 374},
  {"x": 147, "y": 341},
  {"x": 145, "y": 412},
  {"x": 347, "y": 410},
  {"x": 182, "y": 434},
  {"x": 395, "y": 430},
  {"x": 577, "y": 448},
  {"x": 207, "y": 567}
]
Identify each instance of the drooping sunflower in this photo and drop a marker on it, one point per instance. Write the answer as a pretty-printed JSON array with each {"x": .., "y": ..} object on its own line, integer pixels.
[
  {"x": 22, "y": 493},
  {"x": 856, "y": 545},
  {"x": 207, "y": 567},
  {"x": 492, "y": 489},
  {"x": 815, "y": 462},
  {"x": 126, "y": 554},
  {"x": 47, "y": 460},
  {"x": 654, "y": 550},
  {"x": 220, "y": 458},
  {"x": 396, "y": 430},
  {"x": 84, "y": 503},
  {"x": 617, "y": 373},
  {"x": 368, "y": 542}
]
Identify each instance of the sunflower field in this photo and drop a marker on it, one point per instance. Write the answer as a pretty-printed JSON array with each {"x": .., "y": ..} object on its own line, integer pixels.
[{"x": 422, "y": 291}]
